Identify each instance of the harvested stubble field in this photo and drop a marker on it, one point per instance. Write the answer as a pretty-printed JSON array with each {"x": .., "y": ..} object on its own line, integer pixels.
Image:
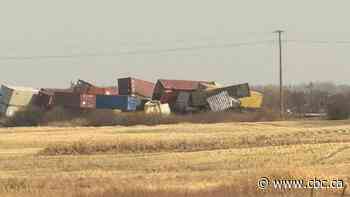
[{"x": 190, "y": 160}]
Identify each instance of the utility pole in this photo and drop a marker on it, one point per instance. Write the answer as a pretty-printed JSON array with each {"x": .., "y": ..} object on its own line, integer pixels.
[{"x": 279, "y": 32}]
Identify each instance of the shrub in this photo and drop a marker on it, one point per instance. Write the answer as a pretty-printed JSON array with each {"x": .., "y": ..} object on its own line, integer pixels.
[
  {"x": 58, "y": 114},
  {"x": 31, "y": 116},
  {"x": 338, "y": 107},
  {"x": 69, "y": 117}
]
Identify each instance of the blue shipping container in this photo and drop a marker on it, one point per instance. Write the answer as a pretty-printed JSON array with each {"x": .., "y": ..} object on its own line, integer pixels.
[{"x": 122, "y": 102}]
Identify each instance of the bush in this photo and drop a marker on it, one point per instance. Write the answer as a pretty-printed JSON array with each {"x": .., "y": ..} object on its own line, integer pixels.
[
  {"x": 339, "y": 107},
  {"x": 31, "y": 116},
  {"x": 69, "y": 117},
  {"x": 60, "y": 114}
]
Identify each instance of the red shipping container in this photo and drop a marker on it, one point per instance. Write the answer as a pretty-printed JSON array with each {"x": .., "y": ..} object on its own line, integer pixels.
[
  {"x": 168, "y": 97},
  {"x": 102, "y": 91},
  {"x": 84, "y": 87},
  {"x": 164, "y": 86},
  {"x": 137, "y": 87},
  {"x": 74, "y": 100},
  {"x": 87, "y": 101}
]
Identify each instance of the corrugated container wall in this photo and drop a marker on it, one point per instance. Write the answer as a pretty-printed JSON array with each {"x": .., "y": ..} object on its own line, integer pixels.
[
  {"x": 84, "y": 87},
  {"x": 137, "y": 87},
  {"x": 74, "y": 100},
  {"x": 220, "y": 101},
  {"x": 87, "y": 101},
  {"x": 122, "y": 102},
  {"x": 46, "y": 95},
  {"x": 103, "y": 91}
]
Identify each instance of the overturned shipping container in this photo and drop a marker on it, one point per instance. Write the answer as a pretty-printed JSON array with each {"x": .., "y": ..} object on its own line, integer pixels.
[
  {"x": 74, "y": 100},
  {"x": 254, "y": 101},
  {"x": 136, "y": 87},
  {"x": 222, "y": 101},
  {"x": 17, "y": 96},
  {"x": 167, "y": 90},
  {"x": 45, "y": 96},
  {"x": 235, "y": 91},
  {"x": 84, "y": 87},
  {"x": 121, "y": 102},
  {"x": 165, "y": 85}
]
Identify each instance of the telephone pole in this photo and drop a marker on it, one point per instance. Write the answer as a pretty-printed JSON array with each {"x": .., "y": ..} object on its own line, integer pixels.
[{"x": 279, "y": 32}]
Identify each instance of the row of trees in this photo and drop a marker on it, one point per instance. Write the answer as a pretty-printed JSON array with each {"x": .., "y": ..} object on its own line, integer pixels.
[{"x": 324, "y": 97}]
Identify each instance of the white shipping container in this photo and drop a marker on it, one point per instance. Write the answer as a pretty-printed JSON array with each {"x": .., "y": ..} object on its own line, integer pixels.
[
  {"x": 155, "y": 107},
  {"x": 17, "y": 96},
  {"x": 220, "y": 102}
]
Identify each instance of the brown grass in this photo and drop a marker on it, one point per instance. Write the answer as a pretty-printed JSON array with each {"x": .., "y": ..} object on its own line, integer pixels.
[
  {"x": 191, "y": 160},
  {"x": 85, "y": 188}
]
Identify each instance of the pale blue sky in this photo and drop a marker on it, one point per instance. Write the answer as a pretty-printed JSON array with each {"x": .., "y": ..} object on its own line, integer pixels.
[{"x": 66, "y": 27}]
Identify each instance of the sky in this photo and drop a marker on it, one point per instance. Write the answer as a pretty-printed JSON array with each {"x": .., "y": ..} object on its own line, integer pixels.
[{"x": 101, "y": 41}]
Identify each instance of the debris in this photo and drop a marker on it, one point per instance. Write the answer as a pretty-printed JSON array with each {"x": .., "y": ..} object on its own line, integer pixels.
[
  {"x": 155, "y": 107},
  {"x": 180, "y": 96}
]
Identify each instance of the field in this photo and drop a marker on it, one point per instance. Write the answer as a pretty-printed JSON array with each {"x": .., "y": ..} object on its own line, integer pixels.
[{"x": 225, "y": 159}]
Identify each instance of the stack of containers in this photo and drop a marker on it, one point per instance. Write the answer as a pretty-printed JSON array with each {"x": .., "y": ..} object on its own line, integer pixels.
[
  {"x": 141, "y": 89},
  {"x": 81, "y": 96},
  {"x": 15, "y": 98},
  {"x": 135, "y": 87}
]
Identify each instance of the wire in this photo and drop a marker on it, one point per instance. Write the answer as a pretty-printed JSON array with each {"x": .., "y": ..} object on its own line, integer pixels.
[
  {"x": 170, "y": 50},
  {"x": 319, "y": 41}
]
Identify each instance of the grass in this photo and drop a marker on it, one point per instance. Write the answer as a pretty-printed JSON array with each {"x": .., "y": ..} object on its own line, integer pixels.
[
  {"x": 171, "y": 160},
  {"x": 69, "y": 117}
]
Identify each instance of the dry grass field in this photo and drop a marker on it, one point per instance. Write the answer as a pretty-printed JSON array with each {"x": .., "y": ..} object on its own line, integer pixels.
[{"x": 191, "y": 160}]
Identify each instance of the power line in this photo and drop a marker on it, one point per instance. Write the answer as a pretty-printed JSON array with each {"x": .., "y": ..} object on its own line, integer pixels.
[
  {"x": 319, "y": 41},
  {"x": 139, "y": 52}
]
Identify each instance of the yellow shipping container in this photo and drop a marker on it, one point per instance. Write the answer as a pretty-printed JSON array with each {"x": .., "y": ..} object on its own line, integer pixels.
[{"x": 254, "y": 101}]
